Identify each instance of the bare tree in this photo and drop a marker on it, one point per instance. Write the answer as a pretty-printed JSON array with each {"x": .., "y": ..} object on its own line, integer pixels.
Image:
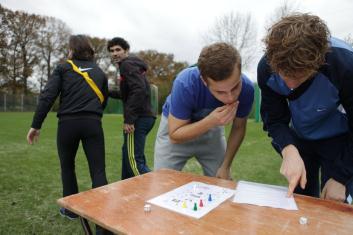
[
  {"x": 238, "y": 30},
  {"x": 101, "y": 54},
  {"x": 3, "y": 48},
  {"x": 349, "y": 39},
  {"x": 162, "y": 70},
  {"x": 22, "y": 52},
  {"x": 286, "y": 8},
  {"x": 52, "y": 44},
  {"x": 10, "y": 54}
]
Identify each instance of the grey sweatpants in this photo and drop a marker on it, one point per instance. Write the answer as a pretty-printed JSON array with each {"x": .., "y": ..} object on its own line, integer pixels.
[{"x": 208, "y": 149}]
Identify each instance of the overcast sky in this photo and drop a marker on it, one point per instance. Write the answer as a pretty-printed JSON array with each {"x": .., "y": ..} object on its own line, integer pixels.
[{"x": 174, "y": 26}]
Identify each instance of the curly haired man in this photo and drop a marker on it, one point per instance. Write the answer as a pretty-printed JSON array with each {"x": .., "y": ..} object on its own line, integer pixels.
[{"x": 306, "y": 82}]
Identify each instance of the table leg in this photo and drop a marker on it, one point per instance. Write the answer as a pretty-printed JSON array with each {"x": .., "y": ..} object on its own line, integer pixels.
[{"x": 85, "y": 226}]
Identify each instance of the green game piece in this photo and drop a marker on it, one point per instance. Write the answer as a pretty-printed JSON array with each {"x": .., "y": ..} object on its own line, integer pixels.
[{"x": 195, "y": 206}]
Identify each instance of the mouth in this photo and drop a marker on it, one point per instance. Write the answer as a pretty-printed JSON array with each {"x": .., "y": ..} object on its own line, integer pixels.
[{"x": 116, "y": 59}]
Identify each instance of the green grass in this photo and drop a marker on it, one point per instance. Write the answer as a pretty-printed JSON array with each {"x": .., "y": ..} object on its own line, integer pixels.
[{"x": 30, "y": 174}]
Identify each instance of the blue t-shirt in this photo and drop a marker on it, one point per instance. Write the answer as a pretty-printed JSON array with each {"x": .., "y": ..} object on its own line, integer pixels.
[{"x": 190, "y": 99}]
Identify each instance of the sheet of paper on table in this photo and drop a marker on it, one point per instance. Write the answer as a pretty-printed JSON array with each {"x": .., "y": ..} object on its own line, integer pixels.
[{"x": 264, "y": 195}]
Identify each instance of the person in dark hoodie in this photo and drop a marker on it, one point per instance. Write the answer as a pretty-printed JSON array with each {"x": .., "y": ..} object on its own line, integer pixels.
[
  {"x": 135, "y": 94},
  {"x": 83, "y": 90}
]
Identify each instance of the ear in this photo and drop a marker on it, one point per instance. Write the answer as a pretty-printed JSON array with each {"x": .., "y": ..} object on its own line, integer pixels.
[{"x": 70, "y": 54}]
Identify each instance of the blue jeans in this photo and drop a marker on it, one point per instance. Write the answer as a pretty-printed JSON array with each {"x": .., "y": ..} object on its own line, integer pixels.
[{"x": 134, "y": 159}]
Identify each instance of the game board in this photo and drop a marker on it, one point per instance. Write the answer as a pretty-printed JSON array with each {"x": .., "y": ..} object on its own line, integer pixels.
[{"x": 194, "y": 199}]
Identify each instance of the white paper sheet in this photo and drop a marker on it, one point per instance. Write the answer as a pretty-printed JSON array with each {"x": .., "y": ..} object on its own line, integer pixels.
[
  {"x": 349, "y": 199},
  {"x": 264, "y": 195},
  {"x": 183, "y": 199}
]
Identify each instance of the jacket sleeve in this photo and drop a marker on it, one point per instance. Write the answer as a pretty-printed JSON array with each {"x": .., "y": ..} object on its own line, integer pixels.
[
  {"x": 47, "y": 97},
  {"x": 343, "y": 166},
  {"x": 105, "y": 91},
  {"x": 136, "y": 86},
  {"x": 115, "y": 94},
  {"x": 274, "y": 110}
]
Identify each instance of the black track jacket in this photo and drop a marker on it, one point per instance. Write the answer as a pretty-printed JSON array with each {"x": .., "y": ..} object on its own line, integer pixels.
[
  {"x": 76, "y": 97},
  {"x": 135, "y": 89}
]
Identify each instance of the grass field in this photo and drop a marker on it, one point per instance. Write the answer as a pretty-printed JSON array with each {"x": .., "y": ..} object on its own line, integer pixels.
[{"x": 30, "y": 175}]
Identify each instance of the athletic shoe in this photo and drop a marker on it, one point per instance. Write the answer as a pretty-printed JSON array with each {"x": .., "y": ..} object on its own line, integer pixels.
[{"x": 68, "y": 214}]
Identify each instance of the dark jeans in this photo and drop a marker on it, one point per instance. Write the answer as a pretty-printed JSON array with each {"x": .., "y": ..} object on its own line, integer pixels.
[
  {"x": 70, "y": 133},
  {"x": 320, "y": 159},
  {"x": 134, "y": 159}
]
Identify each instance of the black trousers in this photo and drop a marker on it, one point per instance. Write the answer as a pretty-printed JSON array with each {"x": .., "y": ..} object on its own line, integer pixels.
[{"x": 90, "y": 133}]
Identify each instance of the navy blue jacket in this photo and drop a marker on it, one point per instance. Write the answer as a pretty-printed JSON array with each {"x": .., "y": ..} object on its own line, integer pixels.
[{"x": 320, "y": 108}]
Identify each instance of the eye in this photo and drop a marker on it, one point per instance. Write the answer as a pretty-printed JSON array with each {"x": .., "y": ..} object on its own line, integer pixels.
[{"x": 234, "y": 88}]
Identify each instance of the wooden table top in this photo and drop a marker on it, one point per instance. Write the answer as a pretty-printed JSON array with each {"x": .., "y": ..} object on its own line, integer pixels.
[{"x": 119, "y": 207}]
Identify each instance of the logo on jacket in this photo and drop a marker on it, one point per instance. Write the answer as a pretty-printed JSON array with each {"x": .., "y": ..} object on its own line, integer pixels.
[
  {"x": 84, "y": 69},
  {"x": 320, "y": 109}
]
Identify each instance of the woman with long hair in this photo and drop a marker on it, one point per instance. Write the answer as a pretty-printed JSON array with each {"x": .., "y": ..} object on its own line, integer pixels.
[{"x": 83, "y": 88}]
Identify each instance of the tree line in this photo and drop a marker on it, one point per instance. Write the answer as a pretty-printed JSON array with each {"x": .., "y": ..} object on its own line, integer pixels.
[{"x": 31, "y": 45}]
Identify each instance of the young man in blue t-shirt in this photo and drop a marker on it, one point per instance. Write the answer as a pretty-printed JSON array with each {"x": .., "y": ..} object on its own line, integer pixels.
[
  {"x": 306, "y": 81},
  {"x": 203, "y": 100}
]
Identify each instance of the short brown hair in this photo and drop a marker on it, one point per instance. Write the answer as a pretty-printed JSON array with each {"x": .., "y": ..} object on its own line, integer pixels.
[
  {"x": 217, "y": 61},
  {"x": 81, "y": 47},
  {"x": 297, "y": 43}
]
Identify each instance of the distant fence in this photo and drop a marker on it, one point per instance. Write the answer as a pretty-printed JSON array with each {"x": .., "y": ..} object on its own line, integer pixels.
[
  {"x": 18, "y": 103},
  {"x": 28, "y": 103}
]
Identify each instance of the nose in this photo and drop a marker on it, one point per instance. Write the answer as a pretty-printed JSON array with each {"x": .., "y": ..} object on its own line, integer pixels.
[
  {"x": 292, "y": 84},
  {"x": 230, "y": 98}
]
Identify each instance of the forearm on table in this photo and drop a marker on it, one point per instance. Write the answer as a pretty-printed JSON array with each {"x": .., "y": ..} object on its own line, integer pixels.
[{"x": 190, "y": 131}]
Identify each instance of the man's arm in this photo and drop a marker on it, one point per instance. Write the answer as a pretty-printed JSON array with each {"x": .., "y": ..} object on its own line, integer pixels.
[
  {"x": 235, "y": 139},
  {"x": 183, "y": 130},
  {"x": 46, "y": 100},
  {"x": 47, "y": 97},
  {"x": 105, "y": 91},
  {"x": 275, "y": 112},
  {"x": 115, "y": 94},
  {"x": 276, "y": 117},
  {"x": 342, "y": 168}
]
